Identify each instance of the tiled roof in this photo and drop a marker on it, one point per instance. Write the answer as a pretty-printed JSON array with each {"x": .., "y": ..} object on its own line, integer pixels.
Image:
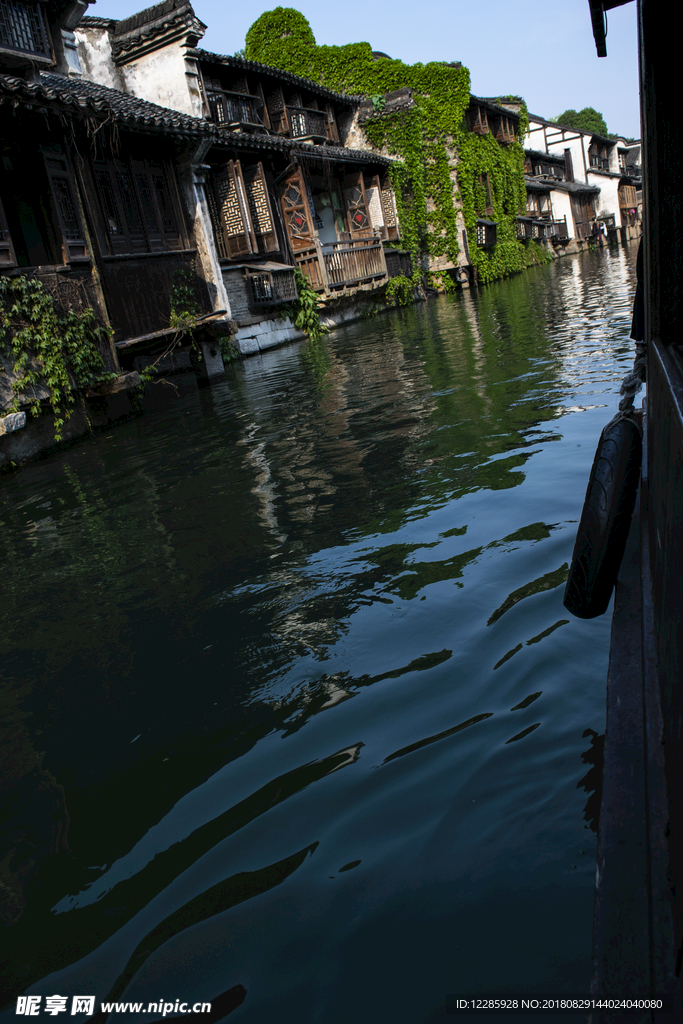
[
  {"x": 573, "y": 187},
  {"x": 494, "y": 105},
  {"x": 157, "y": 12},
  {"x": 539, "y": 155},
  {"x": 363, "y": 156},
  {"x": 91, "y": 99},
  {"x": 157, "y": 26},
  {"x": 534, "y": 185},
  {"x": 80, "y": 96},
  {"x": 285, "y": 76},
  {"x": 245, "y": 140}
]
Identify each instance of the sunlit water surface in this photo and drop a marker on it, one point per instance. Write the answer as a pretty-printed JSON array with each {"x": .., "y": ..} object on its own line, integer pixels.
[{"x": 295, "y": 648}]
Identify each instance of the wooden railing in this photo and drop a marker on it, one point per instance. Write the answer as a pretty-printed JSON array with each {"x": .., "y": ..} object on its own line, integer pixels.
[
  {"x": 528, "y": 227},
  {"x": 627, "y": 196},
  {"x": 335, "y": 266},
  {"x": 305, "y": 123}
]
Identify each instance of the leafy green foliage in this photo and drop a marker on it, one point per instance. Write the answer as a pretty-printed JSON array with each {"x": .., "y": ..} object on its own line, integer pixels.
[
  {"x": 586, "y": 120},
  {"x": 58, "y": 351},
  {"x": 426, "y": 139},
  {"x": 305, "y": 312},
  {"x": 400, "y": 290}
]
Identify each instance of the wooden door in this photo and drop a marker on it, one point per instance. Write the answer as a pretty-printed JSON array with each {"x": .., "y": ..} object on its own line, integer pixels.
[
  {"x": 373, "y": 192},
  {"x": 260, "y": 210},
  {"x": 277, "y": 112},
  {"x": 231, "y": 197},
  {"x": 296, "y": 211},
  {"x": 357, "y": 213},
  {"x": 332, "y": 131},
  {"x": 584, "y": 215},
  {"x": 389, "y": 210},
  {"x": 63, "y": 189}
]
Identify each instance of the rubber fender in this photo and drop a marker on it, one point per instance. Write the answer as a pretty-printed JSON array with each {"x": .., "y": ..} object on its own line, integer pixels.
[
  {"x": 605, "y": 520},
  {"x": 462, "y": 275}
]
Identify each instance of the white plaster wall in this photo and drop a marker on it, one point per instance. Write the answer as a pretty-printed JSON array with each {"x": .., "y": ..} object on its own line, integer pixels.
[
  {"x": 608, "y": 200},
  {"x": 166, "y": 78},
  {"x": 578, "y": 147},
  {"x": 614, "y": 159},
  {"x": 578, "y": 151},
  {"x": 192, "y": 187},
  {"x": 562, "y": 207},
  {"x": 535, "y": 139},
  {"x": 94, "y": 54}
]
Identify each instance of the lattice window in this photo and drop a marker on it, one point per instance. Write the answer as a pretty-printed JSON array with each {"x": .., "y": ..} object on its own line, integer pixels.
[
  {"x": 260, "y": 209},
  {"x": 138, "y": 208},
  {"x": 65, "y": 204},
  {"x": 22, "y": 28},
  {"x": 388, "y": 208},
  {"x": 356, "y": 203},
  {"x": 296, "y": 211},
  {"x": 216, "y": 106},
  {"x": 215, "y": 215},
  {"x": 231, "y": 208},
  {"x": 486, "y": 234},
  {"x": 277, "y": 112},
  {"x": 268, "y": 289},
  {"x": 297, "y": 121},
  {"x": 128, "y": 199},
  {"x": 64, "y": 195},
  {"x": 375, "y": 206}
]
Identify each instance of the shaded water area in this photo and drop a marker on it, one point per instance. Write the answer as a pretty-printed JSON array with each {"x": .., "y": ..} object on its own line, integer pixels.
[{"x": 295, "y": 649}]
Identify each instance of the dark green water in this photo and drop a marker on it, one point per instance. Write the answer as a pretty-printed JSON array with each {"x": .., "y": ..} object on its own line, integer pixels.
[{"x": 296, "y": 651}]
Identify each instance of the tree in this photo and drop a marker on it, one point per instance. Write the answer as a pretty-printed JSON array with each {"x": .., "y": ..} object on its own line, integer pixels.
[{"x": 586, "y": 120}]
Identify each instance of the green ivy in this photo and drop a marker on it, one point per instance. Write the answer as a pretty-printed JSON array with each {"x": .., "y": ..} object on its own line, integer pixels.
[
  {"x": 400, "y": 290},
  {"x": 47, "y": 348},
  {"x": 304, "y": 313},
  {"x": 426, "y": 140}
]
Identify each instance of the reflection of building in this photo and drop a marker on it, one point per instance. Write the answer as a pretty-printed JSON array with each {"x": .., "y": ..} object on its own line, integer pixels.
[{"x": 587, "y": 182}]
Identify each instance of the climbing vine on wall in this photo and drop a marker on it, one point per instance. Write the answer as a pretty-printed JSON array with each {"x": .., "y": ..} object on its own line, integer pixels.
[
  {"x": 47, "y": 349},
  {"x": 425, "y": 138}
]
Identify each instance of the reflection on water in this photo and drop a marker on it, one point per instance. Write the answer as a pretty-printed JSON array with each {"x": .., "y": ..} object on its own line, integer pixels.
[{"x": 349, "y": 559}]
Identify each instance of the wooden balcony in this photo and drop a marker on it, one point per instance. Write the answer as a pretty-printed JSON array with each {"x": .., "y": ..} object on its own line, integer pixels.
[
  {"x": 627, "y": 196},
  {"x": 341, "y": 265},
  {"x": 235, "y": 110},
  {"x": 307, "y": 124},
  {"x": 531, "y": 227}
]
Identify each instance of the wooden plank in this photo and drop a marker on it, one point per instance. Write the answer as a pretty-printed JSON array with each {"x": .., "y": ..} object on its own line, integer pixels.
[
  {"x": 663, "y": 949},
  {"x": 204, "y": 320},
  {"x": 621, "y": 951}
]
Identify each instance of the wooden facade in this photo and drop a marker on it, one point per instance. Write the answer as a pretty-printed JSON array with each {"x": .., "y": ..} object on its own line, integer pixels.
[{"x": 330, "y": 224}]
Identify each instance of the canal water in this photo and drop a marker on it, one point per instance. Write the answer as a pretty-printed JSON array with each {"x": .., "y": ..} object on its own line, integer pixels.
[{"x": 294, "y": 649}]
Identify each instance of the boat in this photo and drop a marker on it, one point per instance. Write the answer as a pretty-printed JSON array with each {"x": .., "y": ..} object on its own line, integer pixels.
[{"x": 638, "y": 924}]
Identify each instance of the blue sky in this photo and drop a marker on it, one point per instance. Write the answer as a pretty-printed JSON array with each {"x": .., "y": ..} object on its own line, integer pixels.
[{"x": 542, "y": 50}]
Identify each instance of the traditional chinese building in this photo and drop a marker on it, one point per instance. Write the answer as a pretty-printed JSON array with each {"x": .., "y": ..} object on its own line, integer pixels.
[
  {"x": 279, "y": 190},
  {"x": 591, "y": 172}
]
